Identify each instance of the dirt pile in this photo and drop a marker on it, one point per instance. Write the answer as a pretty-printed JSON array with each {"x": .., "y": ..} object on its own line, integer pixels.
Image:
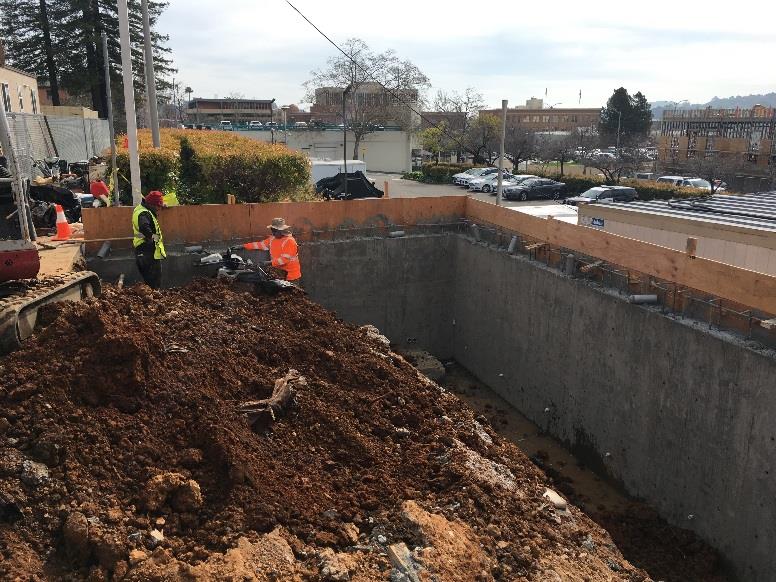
[{"x": 126, "y": 454}]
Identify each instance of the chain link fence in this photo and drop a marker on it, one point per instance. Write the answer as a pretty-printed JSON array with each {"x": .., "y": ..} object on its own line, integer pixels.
[{"x": 37, "y": 137}]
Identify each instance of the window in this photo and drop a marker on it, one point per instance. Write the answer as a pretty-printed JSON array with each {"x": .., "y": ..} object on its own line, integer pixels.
[
  {"x": 20, "y": 94},
  {"x": 6, "y": 96},
  {"x": 34, "y": 100}
]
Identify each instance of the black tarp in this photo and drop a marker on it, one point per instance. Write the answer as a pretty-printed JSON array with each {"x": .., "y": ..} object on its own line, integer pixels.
[{"x": 359, "y": 186}]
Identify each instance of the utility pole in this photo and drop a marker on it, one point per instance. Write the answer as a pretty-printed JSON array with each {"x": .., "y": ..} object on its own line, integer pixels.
[
  {"x": 345, "y": 137},
  {"x": 499, "y": 192},
  {"x": 114, "y": 176},
  {"x": 150, "y": 77},
  {"x": 129, "y": 101}
]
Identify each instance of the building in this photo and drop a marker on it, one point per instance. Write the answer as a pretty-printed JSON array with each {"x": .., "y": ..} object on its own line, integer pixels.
[
  {"x": 213, "y": 111},
  {"x": 532, "y": 103},
  {"x": 455, "y": 120},
  {"x": 746, "y": 133},
  {"x": 551, "y": 119},
  {"x": 737, "y": 230},
  {"x": 18, "y": 90},
  {"x": 328, "y": 102}
]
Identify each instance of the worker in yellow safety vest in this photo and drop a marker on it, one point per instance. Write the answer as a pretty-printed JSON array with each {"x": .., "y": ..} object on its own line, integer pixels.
[
  {"x": 283, "y": 250},
  {"x": 147, "y": 239}
]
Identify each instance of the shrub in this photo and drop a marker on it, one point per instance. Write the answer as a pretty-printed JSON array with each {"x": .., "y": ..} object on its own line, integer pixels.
[
  {"x": 205, "y": 166},
  {"x": 442, "y": 173}
]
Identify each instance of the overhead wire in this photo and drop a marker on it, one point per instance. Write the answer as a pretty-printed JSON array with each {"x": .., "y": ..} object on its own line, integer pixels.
[{"x": 441, "y": 126}]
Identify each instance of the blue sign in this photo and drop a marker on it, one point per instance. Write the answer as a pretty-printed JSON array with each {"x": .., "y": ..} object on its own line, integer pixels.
[{"x": 598, "y": 222}]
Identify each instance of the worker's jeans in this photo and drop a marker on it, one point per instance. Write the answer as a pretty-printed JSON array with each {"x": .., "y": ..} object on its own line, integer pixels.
[{"x": 150, "y": 268}]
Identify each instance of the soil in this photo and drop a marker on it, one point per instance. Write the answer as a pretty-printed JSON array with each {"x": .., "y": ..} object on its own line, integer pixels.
[{"x": 124, "y": 455}]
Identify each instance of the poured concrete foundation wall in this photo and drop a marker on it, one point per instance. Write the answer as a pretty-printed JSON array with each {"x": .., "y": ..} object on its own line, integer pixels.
[
  {"x": 683, "y": 418},
  {"x": 403, "y": 286}
]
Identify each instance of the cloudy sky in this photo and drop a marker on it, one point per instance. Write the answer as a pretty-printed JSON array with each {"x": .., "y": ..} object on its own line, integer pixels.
[{"x": 669, "y": 50}]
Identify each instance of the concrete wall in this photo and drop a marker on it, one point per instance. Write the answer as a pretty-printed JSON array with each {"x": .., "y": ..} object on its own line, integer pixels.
[
  {"x": 403, "y": 286},
  {"x": 686, "y": 416},
  {"x": 383, "y": 151}
]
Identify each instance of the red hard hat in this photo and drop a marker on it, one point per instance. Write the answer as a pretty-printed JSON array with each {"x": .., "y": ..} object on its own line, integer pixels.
[{"x": 155, "y": 198}]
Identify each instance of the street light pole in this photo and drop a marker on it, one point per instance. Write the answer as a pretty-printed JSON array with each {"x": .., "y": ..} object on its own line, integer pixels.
[
  {"x": 345, "y": 137},
  {"x": 285, "y": 125},
  {"x": 499, "y": 191}
]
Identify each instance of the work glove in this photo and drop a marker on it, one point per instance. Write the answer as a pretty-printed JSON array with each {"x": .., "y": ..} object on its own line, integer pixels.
[{"x": 155, "y": 238}]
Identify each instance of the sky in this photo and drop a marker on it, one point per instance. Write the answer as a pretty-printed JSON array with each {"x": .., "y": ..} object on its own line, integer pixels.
[{"x": 669, "y": 50}]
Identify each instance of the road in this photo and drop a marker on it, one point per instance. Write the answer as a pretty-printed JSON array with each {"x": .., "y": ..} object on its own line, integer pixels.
[{"x": 399, "y": 188}]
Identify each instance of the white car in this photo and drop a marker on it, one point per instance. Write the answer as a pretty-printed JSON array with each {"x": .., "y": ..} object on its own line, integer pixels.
[
  {"x": 226, "y": 125},
  {"x": 488, "y": 183},
  {"x": 697, "y": 183},
  {"x": 255, "y": 125},
  {"x": 463, "y": 178}
]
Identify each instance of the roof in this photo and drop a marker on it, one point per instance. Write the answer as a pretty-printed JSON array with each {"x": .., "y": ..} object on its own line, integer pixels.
[
  {"x": 19, "y": 71},
  {"x": 233, "y": 100},
  {"x": 747, "y": 211}
]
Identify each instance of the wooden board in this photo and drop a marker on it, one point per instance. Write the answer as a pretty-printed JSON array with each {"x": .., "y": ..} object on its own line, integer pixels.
[{"x": 748, "y": 288}]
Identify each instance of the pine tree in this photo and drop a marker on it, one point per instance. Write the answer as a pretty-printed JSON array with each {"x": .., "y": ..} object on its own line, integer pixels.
[
  {"x": 33, "y": 37},
  {"x": 72, "y": 57},
  {"x": 633, "y": 115}
]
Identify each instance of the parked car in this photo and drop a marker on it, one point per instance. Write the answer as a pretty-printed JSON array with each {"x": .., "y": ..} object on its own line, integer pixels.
[
  {"x": 535, "y": 188},
  {"x": 300, "y": 125},
  {"x": 488, "y": 183},
  {"x": 255, "y": 125},
  {"x": 226, "y": 125},
  {"x": 271, "y": 125},
  {"x": 513, "y": 180},
  {"x": 604, "y": 194},
  {"x": 463, "y": 179},
  {"x": 686, "y": 182}
]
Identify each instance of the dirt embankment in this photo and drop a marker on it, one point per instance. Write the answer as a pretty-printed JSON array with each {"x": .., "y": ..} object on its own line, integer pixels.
[{"x": 126, "y": 453}]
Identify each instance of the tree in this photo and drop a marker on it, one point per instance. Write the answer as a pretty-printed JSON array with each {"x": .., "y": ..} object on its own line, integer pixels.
[
  {"x": 626, "y": 116},
  {"x": 61, "y": 41},
  {"x": 33, "y": 37},
  {"x": 481, "y": 139},
  {"x": 436, "y": 139},
  {"x": 468, "y": 104},
  {"x": 714, "y": 167},
  {"x": 557, "y": 148},
  {"x": 380, "y": 87},
  {"x": 520, "y": 144},
  {"x": 614, "y": 166}
]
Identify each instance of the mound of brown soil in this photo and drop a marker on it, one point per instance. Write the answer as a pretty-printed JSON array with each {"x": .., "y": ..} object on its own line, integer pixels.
[{"x": 126, "y": 453}]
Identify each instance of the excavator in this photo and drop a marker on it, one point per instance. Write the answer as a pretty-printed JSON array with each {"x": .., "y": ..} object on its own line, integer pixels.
[{"x": 22, "y": 294}]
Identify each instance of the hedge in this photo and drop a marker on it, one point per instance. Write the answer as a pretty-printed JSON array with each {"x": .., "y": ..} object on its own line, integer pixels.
[
  {"x": 204, "y": 166},
  {"x": 647, "y": 190},
  {"x": 441, "y": 173}
]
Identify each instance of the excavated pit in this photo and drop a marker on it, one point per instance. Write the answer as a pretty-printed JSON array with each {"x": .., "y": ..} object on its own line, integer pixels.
[{"x": 124, "y": 456}]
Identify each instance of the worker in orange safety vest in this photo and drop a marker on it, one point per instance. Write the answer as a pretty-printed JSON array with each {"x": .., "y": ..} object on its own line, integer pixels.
[{"x": 283, "y": 250}]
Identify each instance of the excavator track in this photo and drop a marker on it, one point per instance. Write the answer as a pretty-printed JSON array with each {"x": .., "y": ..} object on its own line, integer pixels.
[{"x": 20, "y": 301}]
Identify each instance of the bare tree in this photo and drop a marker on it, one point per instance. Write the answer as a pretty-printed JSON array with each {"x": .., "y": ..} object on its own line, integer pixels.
[
  {"x": 520, "y": 144},
  {"x": 468, "y": 104},
  {"x": 614, "y": 166},
  {"x": 557, "y": 148},
  {"x": 482, "y": 137},
  {"x": 714, "y": 167},
  {"x": 380, "y": 87}
]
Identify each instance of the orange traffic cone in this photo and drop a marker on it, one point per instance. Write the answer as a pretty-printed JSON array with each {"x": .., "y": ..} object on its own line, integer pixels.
[{"x": 63, "y": 228}]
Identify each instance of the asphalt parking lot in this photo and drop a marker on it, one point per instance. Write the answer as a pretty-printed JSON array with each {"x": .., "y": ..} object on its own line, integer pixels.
[{"x": 400, "y": 188}]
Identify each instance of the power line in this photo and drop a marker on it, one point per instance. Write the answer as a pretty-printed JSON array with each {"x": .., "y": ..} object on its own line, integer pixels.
[{"x": 369, "y": 75}]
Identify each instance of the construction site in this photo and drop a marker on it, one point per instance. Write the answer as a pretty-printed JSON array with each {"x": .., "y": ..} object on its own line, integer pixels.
[{"x": 461, "y": 392}]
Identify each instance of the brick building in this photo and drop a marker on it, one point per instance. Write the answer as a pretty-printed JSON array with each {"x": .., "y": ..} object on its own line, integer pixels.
[
  {"x": 550, "y": 119},
  {"x": 454, "y": 120},
  {"x": 747, "y": 133},
  {"x": 328, "y": 101}
]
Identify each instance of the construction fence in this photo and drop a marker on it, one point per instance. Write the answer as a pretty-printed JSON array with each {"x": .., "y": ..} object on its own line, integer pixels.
[{"x": 74, "y": 139}]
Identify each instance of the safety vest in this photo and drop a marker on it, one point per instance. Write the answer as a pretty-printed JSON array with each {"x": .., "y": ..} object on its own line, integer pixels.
[
  {"x": 284, "y": 254},
  {"x": 139, "y": 239}
]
